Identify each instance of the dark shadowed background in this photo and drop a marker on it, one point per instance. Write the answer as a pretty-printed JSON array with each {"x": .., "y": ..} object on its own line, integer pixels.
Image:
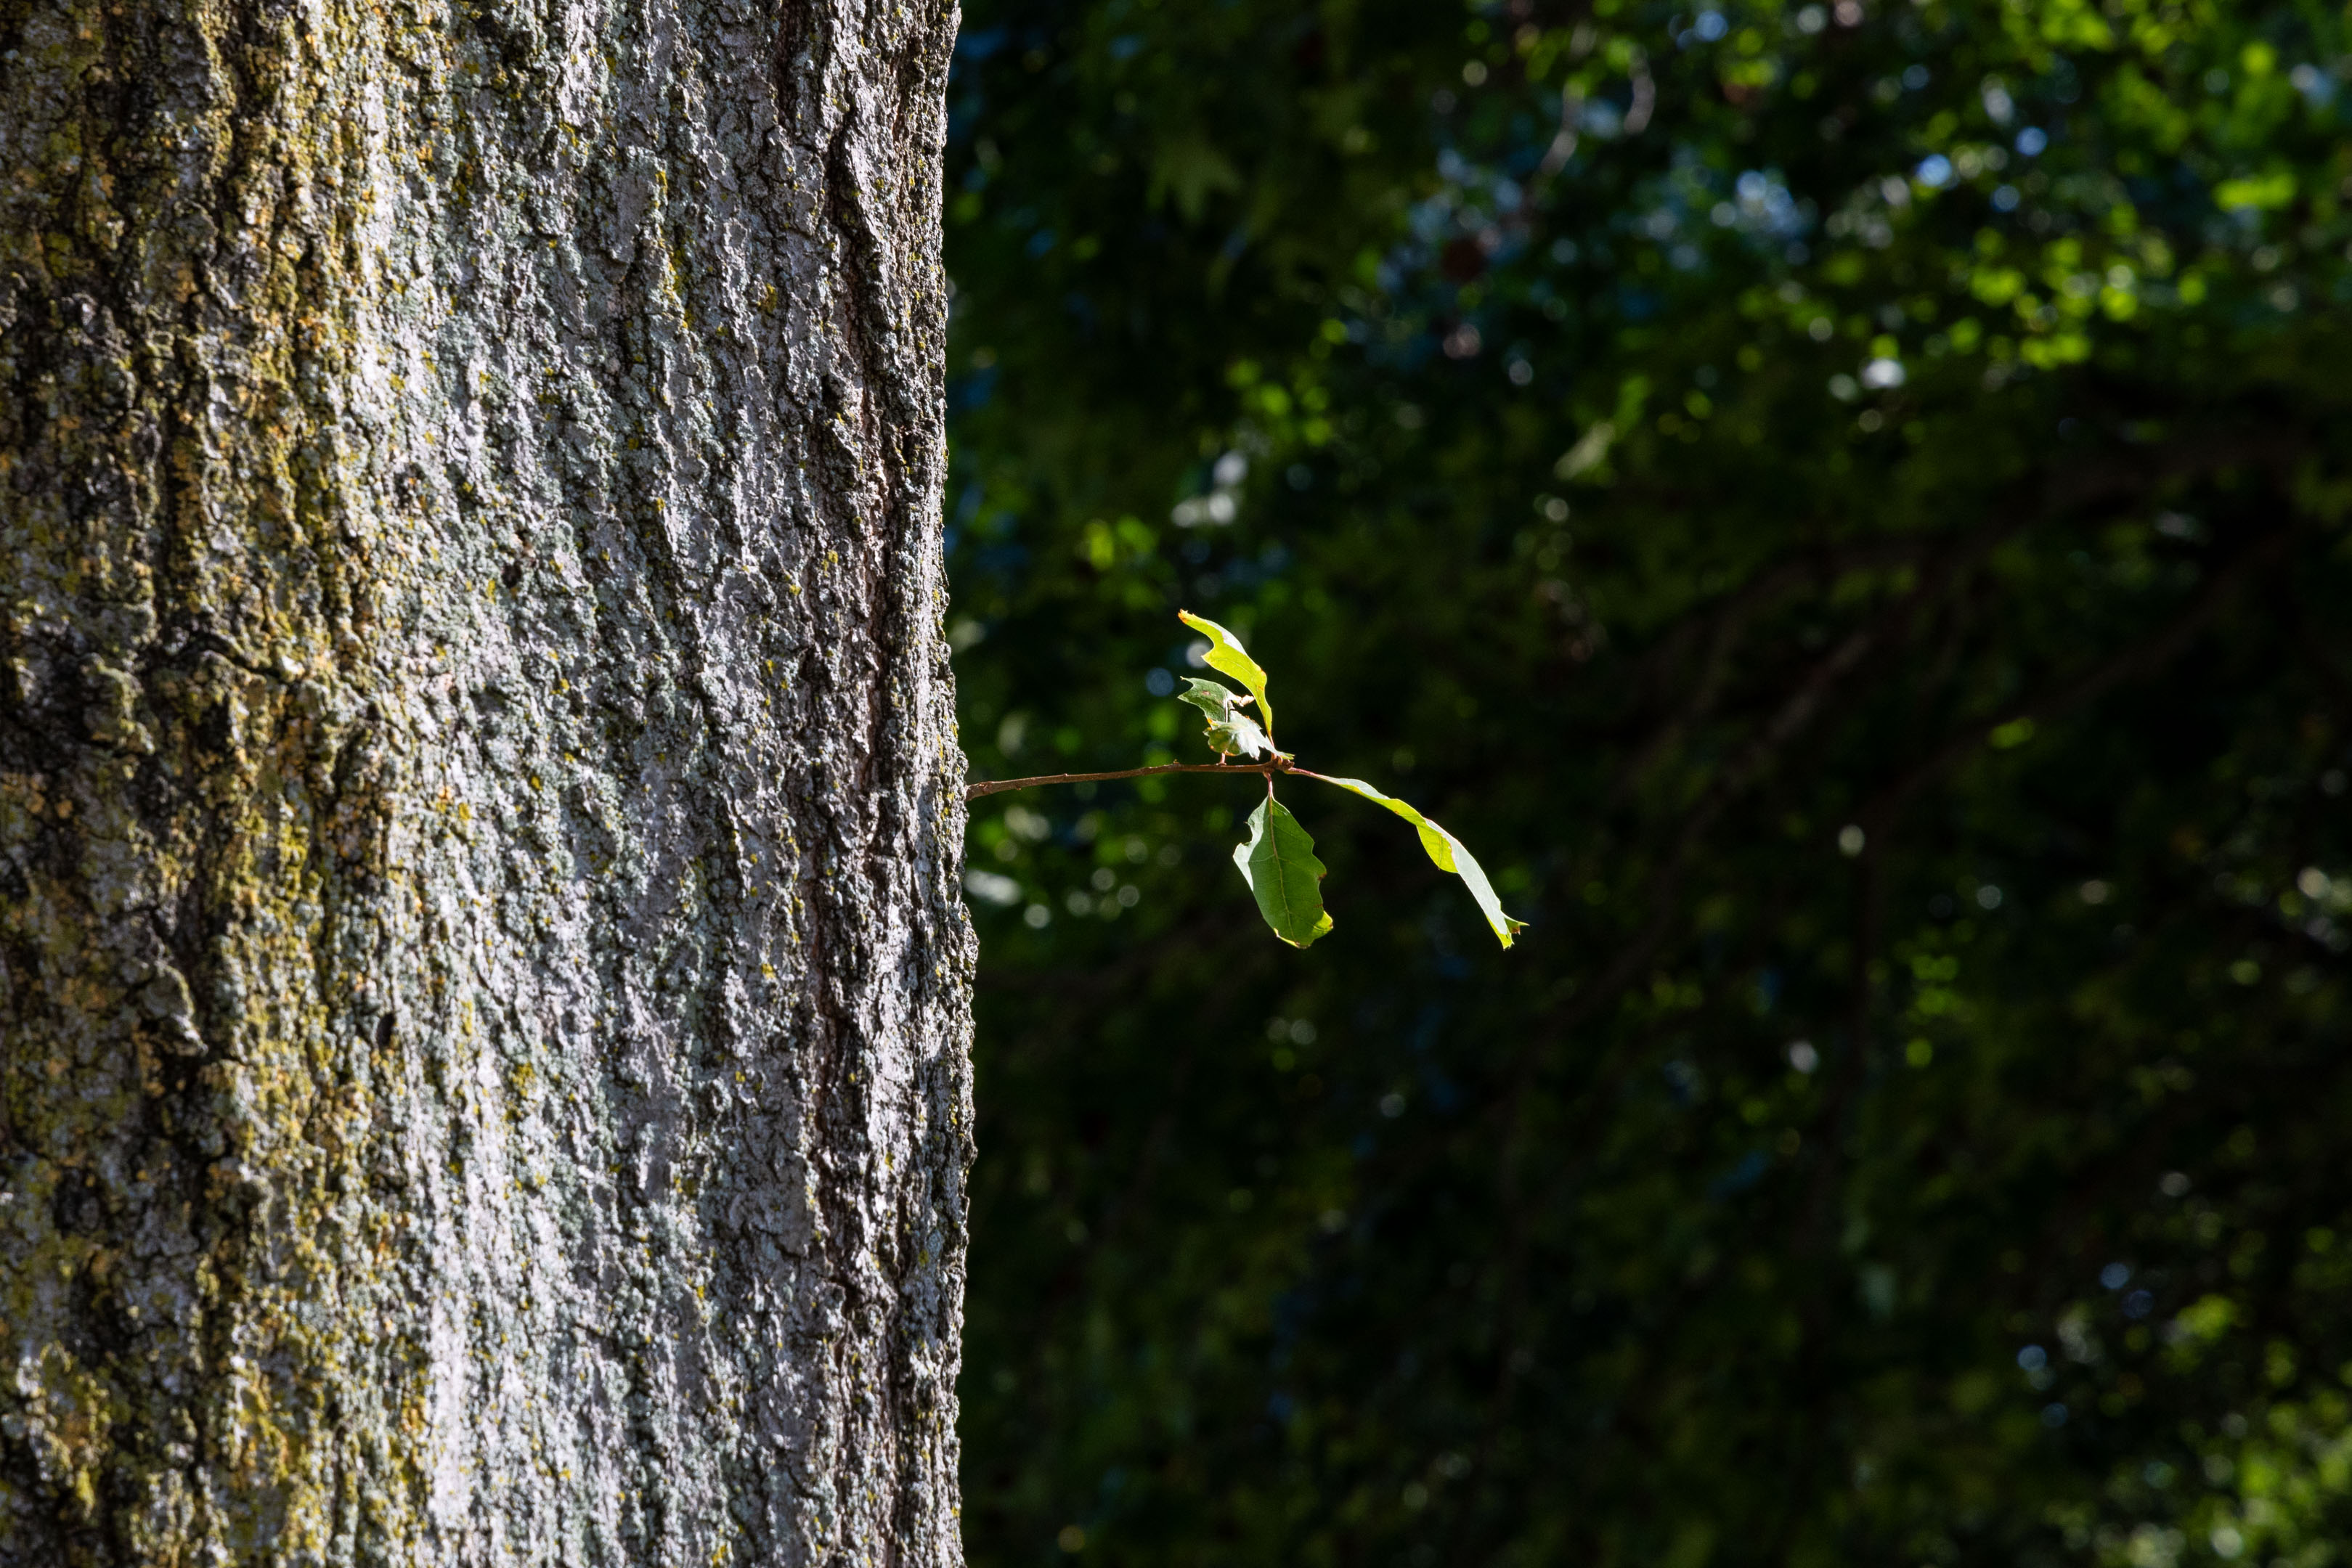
[{"x": 1842, "y": 507}]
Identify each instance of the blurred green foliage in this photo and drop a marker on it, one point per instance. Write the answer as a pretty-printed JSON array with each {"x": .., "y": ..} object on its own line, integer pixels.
[{"x": 1844, "y": 506}]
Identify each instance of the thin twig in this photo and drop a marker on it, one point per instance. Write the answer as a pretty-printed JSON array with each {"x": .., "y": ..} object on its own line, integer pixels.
[{"x": 998, "y": 786}]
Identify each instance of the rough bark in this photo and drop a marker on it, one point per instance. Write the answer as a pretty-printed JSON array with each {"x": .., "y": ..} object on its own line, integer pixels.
[{"x": 483, "y": 985}]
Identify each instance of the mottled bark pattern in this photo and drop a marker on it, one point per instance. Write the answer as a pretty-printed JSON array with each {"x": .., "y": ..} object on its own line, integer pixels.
[{"x": 483, "y": 989}]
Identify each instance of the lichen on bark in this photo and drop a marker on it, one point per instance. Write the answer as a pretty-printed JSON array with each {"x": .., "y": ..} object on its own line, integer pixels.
[{"x": 483, "y": 994}]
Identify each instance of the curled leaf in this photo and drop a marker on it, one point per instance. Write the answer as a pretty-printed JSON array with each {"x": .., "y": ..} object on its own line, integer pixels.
[
  {"x": 1239, "y": 736},
  {"x": 1448, "y": 851},
  {"x": 1226, "y": 654},
  {"x": 1231, "y": 731},
  {"x": 1213, "y": 698},
  {"x": 1279, "y": 864}
]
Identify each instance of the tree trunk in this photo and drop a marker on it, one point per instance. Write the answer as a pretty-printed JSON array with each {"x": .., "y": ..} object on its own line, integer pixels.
[{"x": 483, "y": 983}]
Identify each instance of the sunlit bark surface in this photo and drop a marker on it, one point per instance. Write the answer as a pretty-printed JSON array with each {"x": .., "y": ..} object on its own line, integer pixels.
[{"x": 482, "y": 990}]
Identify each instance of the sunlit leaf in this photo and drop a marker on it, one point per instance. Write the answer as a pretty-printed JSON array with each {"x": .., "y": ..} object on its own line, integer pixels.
[
  {"x": 1447, "y": 851},
  {"x": 1231, "y": 731},
  {"x": 1213, "y": 698},
  {"x": 1279, "y": 864},
  {"x": 1239, "y": 736},
  {"x": 1226, "y": 653}
]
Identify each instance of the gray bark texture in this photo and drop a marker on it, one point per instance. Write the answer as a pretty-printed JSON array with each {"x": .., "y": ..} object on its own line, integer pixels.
[{"x": 483, "y": 992}]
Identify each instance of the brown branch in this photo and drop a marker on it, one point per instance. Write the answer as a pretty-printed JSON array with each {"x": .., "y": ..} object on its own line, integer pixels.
[
  {"x": 998, "y": 786},
  {"x": 1722, "y": 624},
  {"x": 2167, "y": 644},
  {"x": 1280, "y": 766},
  {"x": 2056, "y": 494}
]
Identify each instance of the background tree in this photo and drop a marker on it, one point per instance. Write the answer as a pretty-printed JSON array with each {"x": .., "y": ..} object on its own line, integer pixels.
[
  {"x": 1854, "y": 494},
  {"x": 482, "y": 989}
]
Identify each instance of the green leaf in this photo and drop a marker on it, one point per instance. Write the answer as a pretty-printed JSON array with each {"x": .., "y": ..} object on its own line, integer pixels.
[
  {"x": 1448, "y": 851},
  {"x": 1226, "y": 653},
  {"x": 1239, "y": 734},
  {"x": 1213, "y": 698},
  {"x": 1231, "y": 731},
  {"x": 1279, "y": 864}
]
